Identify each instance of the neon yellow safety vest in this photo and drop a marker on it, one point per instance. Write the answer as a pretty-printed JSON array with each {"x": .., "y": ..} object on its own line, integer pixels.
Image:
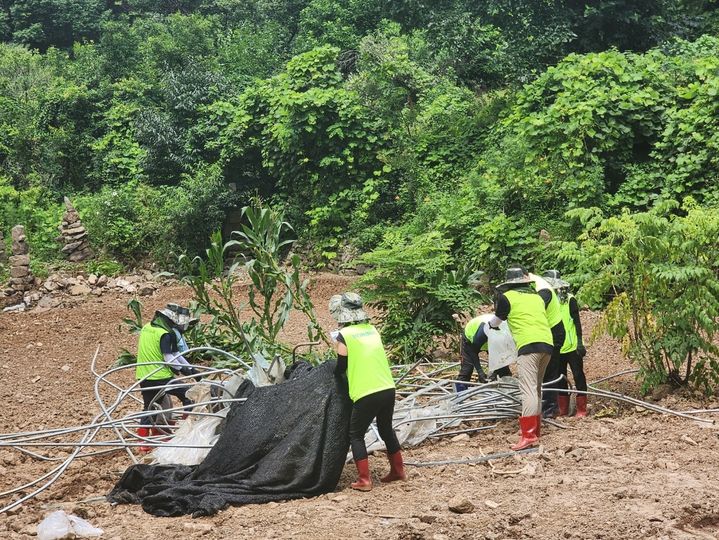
[
  {"x": 527, "y": 319},
  {"x": 367, "y": 365},
  {"x": 570, "y": 329},
  {"x": 149, "y": 355},
  {"x": 554, "y": 315},
  {"x": 471, "y": 329}
]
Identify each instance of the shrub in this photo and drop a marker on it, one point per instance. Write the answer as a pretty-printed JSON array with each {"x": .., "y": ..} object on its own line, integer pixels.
[
  {"x": 659, "y": 273},
  {"x": 38, "y": 212},
  {"x": 416, "y": 287},
  {"x": 274, "y": 290}
]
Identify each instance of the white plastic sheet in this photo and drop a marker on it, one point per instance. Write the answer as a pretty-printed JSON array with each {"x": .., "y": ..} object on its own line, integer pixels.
[
  {"x": 59, "y": 525},
  {"x": 502, "y": 349}
]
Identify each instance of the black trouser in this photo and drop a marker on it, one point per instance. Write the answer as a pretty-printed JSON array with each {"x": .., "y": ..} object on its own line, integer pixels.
[
  {"x": 149, "y": 393},
  {"x": 470, "y": 362},
  {"x": 576, "y": 362},
  {"x": 549, "y": 398},
  {"x": 379, "y": 405}
]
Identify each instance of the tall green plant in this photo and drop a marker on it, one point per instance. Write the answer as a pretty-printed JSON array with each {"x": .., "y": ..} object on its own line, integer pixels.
[
  {"x": 273, "y": 292},
  {"x": 660, "y": 275}
]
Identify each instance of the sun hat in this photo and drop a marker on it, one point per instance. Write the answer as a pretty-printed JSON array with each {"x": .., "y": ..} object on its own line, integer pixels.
[
  {"x": 179, "y": 316},
  {"x": 514, "y": 276},
  {"x": 553, "y": 277},
  {"x": 347, "y": 308}
]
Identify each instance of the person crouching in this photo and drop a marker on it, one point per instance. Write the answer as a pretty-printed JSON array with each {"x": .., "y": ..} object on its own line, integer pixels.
[
  {"x": 159, "y": 358},
  {"x": 361, "y": 356}
]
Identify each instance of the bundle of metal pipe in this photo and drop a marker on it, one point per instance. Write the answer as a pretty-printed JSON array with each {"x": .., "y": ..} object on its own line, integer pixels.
[{"x": 427, "y": 407}]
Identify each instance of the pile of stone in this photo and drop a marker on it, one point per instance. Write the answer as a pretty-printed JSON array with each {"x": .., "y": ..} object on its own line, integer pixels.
[
  {"x": 64, "y": 290},
  {"x": 73, "y": 235},
  {"x": 81, "y": 285},
  {"x": 21, "y": 278}
]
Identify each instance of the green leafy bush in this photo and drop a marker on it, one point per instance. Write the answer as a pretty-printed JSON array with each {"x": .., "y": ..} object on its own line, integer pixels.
[
  {"x": 275, "y": 290},
  {"x": 107, "y": 267},
  {"x": 38, "y": 212},
  {"x": 658, "y": 272}
]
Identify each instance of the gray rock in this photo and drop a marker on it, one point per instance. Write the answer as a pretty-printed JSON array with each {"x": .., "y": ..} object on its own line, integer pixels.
[
  {"x": 50, "y": 285},
  {"x": 80, "y": 255},
  {"x": 72, "y": 246},
  {"x": 102, "y": 281},
  {"x": 92, "y": 279},
  {"x": 18, "y": 233},
  {"x": 20, "y": 260},
  {"x": 20, "y": 248},
  {"x": 19, "y": 271},
  {"x": 68, "y": 204},
  {"x": 15, "y": 309},
  {"x": 77, "y": 229},
  {"x": 79, "y": 289},
  {"x": 145, "y": 290},
  {"x": 47, "y": 302}
]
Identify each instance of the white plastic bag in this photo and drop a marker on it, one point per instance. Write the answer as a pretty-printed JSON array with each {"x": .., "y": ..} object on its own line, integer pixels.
[
  {"x": 502, "y": 349},
  {"x": 195, "y": 430},
  {"x": 59, "y": 525},
  {"x": 190, "y": 433}
]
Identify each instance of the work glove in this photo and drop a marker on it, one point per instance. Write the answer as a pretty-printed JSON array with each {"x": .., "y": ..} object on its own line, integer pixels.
[
  {"x": 187, "y": 371},
  {"x": 581, "y": 351}
]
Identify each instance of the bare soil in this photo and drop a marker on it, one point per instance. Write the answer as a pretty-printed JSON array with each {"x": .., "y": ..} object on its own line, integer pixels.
[{"x": 621, "y": 473}]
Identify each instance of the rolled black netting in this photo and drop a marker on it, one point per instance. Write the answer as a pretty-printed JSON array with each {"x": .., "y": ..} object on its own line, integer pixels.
[{"x": 285, "y": 442}]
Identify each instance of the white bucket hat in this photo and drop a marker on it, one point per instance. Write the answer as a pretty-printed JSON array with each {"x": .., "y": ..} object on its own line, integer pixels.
[
  {"x": 178, "y": 315},
  {"x": 347, "y": 308}
]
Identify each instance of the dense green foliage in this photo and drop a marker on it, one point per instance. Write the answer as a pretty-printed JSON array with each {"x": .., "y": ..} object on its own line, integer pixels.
[
  {"x": 416, "y": 292},
  {"x": 494, "y": 131},
  {"x": 660, "y": 273}
]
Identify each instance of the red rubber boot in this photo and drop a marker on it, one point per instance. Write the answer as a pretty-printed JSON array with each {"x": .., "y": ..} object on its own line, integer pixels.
[
  {"x": 363, "y": 483},
  {"x": 581, "y": 406},
  {"x": 563, "y": 402},
  {"x": 396, "y": 468},
  {"x": 143, "y": 432},
  {"x": 528, "y": 426},
  {"x": 159, "y": 432}
]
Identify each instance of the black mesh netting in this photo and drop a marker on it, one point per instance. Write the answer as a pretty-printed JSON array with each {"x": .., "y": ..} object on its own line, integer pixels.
[{"x": 285, "y": 442}]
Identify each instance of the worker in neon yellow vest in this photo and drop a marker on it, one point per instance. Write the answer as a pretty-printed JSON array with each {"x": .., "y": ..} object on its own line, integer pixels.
[
  {"x": 573, "y": 350},
  {"x": 159, "y": 358},
  {"x": 361, "y": 356},
  {"x": 518, "y": 303}
]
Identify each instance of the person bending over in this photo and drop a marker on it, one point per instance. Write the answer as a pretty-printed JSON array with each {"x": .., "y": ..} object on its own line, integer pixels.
[
  {"x": 524, "y": 310},
  {"x": 159, "y": 359},
  {"x": 361, "y": 356}
]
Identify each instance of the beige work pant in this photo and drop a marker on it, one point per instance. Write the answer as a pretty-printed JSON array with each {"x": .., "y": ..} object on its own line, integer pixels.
[{"x": 530, "y": 373}]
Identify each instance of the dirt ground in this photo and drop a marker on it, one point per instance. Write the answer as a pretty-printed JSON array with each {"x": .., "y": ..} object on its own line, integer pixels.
[{"x": 621, "y": 473}]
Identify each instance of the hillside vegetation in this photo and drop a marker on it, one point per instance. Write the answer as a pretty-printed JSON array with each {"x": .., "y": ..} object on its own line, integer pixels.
[{"x": 435, "y": 138}]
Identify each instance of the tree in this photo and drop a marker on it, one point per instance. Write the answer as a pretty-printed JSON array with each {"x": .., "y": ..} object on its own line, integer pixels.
[
  {"x": 55, "y": 23},
  {"x": 659, "y": 273}
]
